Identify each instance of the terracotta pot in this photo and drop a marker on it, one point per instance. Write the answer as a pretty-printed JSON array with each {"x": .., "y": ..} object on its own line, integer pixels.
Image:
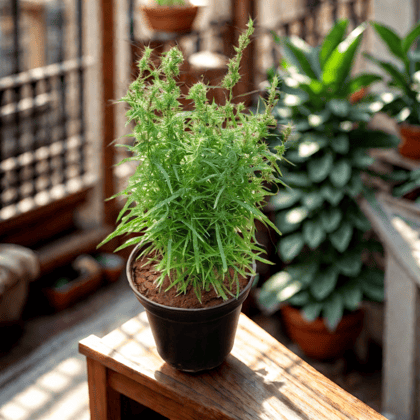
[
  {"x": 410, "y": 141},
  {"x": 315, "y": 340},
  {"x": 177, "y": 19}
]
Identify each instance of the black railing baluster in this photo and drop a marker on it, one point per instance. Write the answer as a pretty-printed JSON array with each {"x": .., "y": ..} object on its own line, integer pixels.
[
  {"x": 18, "y": 139},
  {"x": 334, "y": 10},
  {"x": 81, "y": 116},
  {"x": 35, "y": 128},
  {"x": 2, "y": 146}
]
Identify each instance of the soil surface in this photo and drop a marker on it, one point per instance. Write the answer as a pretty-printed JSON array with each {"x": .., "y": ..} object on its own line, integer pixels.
[{"x": 145, "y": 275}]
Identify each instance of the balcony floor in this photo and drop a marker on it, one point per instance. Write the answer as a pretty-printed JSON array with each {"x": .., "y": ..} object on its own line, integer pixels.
[{"x": 44, "y": 377}]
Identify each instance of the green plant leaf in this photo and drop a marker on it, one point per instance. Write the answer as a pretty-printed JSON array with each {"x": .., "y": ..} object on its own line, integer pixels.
[
  {"x": 410, "y": 38},
  {"x": 340, "y": 144},
  {"x": 303, "y": 272},
  {"x": 300, "y": 49},
  {"x": 324, "y": 283},
  {"x": 299, "y": 299},
  {"x": 339, "y": 107},
  {"x": 285, "y": 199},
  {"x": 355, "y": 186},
  {"x": 313, "y": 233},
  {"x": 341, "y": 173},
  {"x": 341, "y": 237},
  {"x": 359, "y": 220},
  {"x": 331, "y": 194},
  {"x": 373, "y": 139},
  {"x": 391, "y": 39},
  {"x": 350, "y": 263},
  {"x": 331, "y": 41},
  {"x": 397, "y": 76},
  {"x": 290, "y": 246},
  {"x": 289, "y": 220},
  {"x": 297, "y": 179},
  {"x": 319, "y": 168},
  {"x": 331, "y": 219},
  {"x": 338, "y": 66},
  {"x": 351, "y": 294},
  {"x": 312, "y": 200},
  {"x": 360, "y": 81},
  {"x": 312, "y": 310},
  {"x": 332, "y": 311}
]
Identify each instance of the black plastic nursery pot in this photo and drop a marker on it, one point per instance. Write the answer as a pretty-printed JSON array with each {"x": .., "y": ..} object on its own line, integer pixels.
[{"x": 191, "y": 340}]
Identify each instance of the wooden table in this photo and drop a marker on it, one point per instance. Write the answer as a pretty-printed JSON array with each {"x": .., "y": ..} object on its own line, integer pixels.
[{"x": 261, "y": 379}]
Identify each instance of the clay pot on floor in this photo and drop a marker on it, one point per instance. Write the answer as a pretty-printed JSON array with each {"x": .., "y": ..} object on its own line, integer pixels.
[
  {"x": 191, "y": 340},
  {"x": 315, "y": 340},
  {"x": 174, "y": 19},
  {"x": 410, "y": 141}
]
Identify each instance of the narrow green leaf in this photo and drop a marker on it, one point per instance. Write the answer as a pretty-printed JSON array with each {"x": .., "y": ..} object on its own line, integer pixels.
[
  {"x": 407, "y": 42},
  {"x": 341, "y": 173},
  {"x": 360, "y": 81},
  {"x": 165, "y": 175},
  {"x": 391, "y": 39},
  {"x": 313, "y": 233},
  {"x": 218, "y": 196},
  {"x": 324, "y": 283},
  {"x": 332, "y": 311},
  {"x": 338, "y": 65},
  {"x": 290, "y": 246},
  {"x": 319, "y": 168},
  {"x": 331, "y": 41},
  {"x": 300, "y": 49},
  {"x": 341, "y": 237},
  {"x": 312, "y": 310},
  {"x": 221, "y": 250}
]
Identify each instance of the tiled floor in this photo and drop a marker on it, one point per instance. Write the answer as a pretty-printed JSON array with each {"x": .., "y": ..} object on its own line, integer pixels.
[{"x": 44, "y": 377}]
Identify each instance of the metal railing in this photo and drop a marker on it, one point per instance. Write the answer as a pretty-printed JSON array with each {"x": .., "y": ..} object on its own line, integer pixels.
[{"x": 42, "y": 127}]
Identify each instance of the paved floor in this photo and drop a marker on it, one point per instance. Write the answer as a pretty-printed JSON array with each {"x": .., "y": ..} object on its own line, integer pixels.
[{"x": 44, "y": 377}]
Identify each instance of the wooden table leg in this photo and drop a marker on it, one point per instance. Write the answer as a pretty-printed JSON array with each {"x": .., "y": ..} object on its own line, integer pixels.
[
  {"x": 402, "y": 327},
  {"x": 104, "y": 402}
]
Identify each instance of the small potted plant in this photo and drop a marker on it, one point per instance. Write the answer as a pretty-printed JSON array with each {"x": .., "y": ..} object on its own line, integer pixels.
[
  {"x": 324, "y": 232},
  {"x": 403, "y": 100},
  {"x": 170, "y": 15},
  {"x": 198, "y": 188}
]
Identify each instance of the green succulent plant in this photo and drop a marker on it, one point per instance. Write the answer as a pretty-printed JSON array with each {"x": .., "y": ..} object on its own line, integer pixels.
[
  {"x": 324, "y": 231},
  {"x": 403, "y": 78},
  {"x": 201, "y": 178}
]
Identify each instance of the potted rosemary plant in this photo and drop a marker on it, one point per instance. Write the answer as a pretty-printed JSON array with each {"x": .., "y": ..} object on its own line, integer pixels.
[
  {"x": 193, "y": 199},
  {"x": 403, "y": 79},
  {"x": 175, "y": 16},
  {"x": 324, "y": 231}
]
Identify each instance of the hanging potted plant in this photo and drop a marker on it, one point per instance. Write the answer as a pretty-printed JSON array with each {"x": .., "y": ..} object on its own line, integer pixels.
[
  {"x": 403, "y": 100},
  {"x": 193, "y": 199},
  {"x": 324, "y": 232},
  {"x": 170, "y": 15}
]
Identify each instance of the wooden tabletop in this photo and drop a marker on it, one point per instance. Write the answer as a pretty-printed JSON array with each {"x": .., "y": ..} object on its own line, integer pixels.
[{"x": 261, "y": 379}]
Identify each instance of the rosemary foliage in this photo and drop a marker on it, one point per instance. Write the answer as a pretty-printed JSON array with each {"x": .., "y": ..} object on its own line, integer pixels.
[{"x": 202, "y": 176}]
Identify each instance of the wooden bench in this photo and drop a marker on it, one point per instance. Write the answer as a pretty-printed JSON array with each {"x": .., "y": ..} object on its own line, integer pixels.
[
  {"x": 261, "y": 379},
  {"x": 397, "y": 223}
]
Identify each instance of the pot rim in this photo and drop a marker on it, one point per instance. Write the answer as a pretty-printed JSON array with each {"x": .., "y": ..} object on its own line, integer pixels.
[
  {"x": 130, "y": 261},
  {"x": 168, "y": 8}
]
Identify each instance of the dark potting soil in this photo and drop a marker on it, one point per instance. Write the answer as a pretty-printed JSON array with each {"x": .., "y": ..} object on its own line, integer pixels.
[{"x": 145, "y": 275}]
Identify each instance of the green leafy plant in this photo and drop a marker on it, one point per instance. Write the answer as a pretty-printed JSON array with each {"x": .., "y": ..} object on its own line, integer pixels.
[
  {"x": 201, "y": 178},
  {"x": 403, "y": 101},
  {"x": 170, "y": 2},
  {"x": 324, "y": 231}
]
